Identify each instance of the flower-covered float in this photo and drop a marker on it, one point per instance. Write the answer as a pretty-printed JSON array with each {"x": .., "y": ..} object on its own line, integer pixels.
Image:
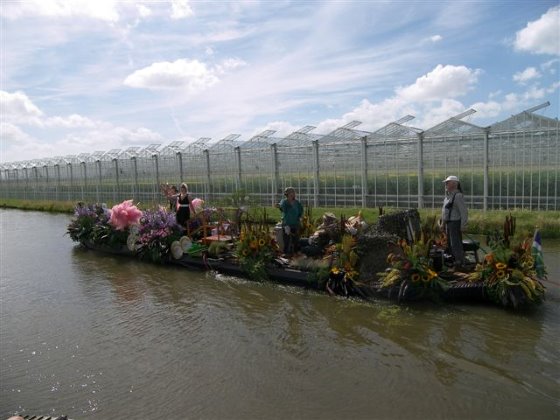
[{"x": 395, "y": 258}]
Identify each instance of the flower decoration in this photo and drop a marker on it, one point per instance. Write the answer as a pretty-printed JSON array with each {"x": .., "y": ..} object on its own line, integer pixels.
[
  {"x": 410, "y": 271},
  {"x": 255, "y": 249},
  {"x": 124, "y": 215},
  {"x": 343, "y": 273},
  {"x": 85, "y": 219},
  {"x": 149, "y": 234},
  {"x": 509, "y": 274},
  {"x": 156, "y": 231},
  {"x": 197, "y": 205}
]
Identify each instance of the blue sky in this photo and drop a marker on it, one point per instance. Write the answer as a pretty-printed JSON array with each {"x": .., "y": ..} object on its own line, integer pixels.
[{"x": 78, "y": 76}]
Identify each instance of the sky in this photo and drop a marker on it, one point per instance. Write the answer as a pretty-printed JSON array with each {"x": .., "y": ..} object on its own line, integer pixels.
[{"x": 80, "y": 76}]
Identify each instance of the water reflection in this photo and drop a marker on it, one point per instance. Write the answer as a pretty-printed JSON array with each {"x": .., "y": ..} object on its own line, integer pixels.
[{"x": 99, "y": 336}]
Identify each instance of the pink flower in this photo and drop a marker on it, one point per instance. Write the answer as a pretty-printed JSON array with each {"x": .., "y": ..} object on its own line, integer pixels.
[
  {"x": 197, "y": 205},
  {"x": 124, "y": 215}
]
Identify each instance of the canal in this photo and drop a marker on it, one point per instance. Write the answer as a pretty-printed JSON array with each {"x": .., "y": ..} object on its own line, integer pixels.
[{"x": 97, "y": 337}]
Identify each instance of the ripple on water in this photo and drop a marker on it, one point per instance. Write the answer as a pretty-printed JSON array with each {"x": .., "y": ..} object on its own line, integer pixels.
[{"x": 87, "y": 334}]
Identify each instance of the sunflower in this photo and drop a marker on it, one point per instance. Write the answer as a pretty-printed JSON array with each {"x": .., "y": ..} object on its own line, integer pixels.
[
  {"x": 262, "y": 242},
  {"x": 528, "y": 263},
  {"x": 500, "y": 274},
  {"x": 415, "y": 277},
  {"x": 245, "y": 252},
  {"x": 254, "y": 244},
  {"x": 500, "y": 266},
  {"x": 426, "y": 278},
  {"x": 524, "y": 265}
]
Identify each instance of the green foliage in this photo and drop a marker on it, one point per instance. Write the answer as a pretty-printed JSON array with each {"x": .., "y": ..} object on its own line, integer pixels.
[
  {"x": 410, "y": 272},
  {"x": 255, "y": 249},
  {"x": 509, "y": 274}
]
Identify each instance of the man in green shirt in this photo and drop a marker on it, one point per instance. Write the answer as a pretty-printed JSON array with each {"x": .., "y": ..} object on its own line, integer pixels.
[{"x": 292, "y": 211}]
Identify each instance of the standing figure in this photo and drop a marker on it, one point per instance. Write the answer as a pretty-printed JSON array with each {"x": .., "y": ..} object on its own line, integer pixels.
[
  {"x": 173, "y": 196},
  {"x": 454, "y": 217},
  {"x": 183, "y": 206},
  {"x": 292, "y": 211}
]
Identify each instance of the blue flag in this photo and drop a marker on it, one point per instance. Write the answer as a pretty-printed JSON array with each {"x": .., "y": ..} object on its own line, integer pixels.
[{"x": 536, "y": 250}]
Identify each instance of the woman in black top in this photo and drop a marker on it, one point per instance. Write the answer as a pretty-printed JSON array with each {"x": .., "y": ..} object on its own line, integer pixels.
[{"x": 183, "y": 213}]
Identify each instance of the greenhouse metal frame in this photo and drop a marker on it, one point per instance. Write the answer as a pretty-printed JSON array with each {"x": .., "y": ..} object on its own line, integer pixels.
[{"x": 514, "y": 163}]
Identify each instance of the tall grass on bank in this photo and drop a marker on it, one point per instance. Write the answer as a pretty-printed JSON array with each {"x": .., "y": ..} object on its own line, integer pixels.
[
  {"x": 480, "y": 222},
  {"x": 39, "y": 205}
]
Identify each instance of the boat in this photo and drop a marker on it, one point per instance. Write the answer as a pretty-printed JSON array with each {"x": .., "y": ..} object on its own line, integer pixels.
[{"x": 398, "y": 263}]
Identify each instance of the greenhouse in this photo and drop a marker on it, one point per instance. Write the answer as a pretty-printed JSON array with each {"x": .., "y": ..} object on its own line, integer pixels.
[{"x": 513, "y": 163}]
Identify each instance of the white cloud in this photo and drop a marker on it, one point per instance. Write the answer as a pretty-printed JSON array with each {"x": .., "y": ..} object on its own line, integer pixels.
[
  {"x": 512, "y": 102},
  {"x": 12, "y": 135},
  {"x": 105, "y": 10},
  {"x": 229, "y": 64},
  {"x": 433, "y": 114},
  {"x": 441, "y": 83},
  {"x": 486, "y": 110},
  {"x": 181, "y": 9},
  {"x": 71, "y": 121},
  {"x": 17, "y": 107},
  {"x": 281, "y": 128},
  {"x": 526, "y": 75},
  {"x": 552, "y": 88},
  {"x": 191, "y": 75},
  {"x": 143, "y": 11},
  {"x": 17, "y": 145},
  {"x": 551, "y": 66},
  {"x": 431, "y": 96},
  {"x": 541, "y": 36},
  {"x": 372, "y": 115},
  {"x": 436, "y": 38}
]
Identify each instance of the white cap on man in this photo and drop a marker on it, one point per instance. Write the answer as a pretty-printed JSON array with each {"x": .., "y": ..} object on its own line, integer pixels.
[{"x": 451, "y": 178}]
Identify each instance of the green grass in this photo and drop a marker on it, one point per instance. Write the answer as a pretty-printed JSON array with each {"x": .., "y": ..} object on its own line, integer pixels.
[
  {"x": 480, "y": 222},
  {"x": 47, "y": 205}
]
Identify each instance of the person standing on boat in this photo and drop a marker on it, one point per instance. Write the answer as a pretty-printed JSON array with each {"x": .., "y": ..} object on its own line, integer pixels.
[
  {"x": 454, "y": 217},
  {"x": 183, "y": 212},
  {"x": 173, "y": 196},
  {"x": 292, "y": 211}
]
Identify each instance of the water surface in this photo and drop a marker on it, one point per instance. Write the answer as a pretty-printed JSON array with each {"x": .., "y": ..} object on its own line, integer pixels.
[{"x": 96, "y": 337}]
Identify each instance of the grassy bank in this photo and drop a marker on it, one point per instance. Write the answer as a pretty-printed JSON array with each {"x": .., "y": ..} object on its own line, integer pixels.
[
  {"x": 49, "y": 206},
  {"x": 480, "y": 222}
]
